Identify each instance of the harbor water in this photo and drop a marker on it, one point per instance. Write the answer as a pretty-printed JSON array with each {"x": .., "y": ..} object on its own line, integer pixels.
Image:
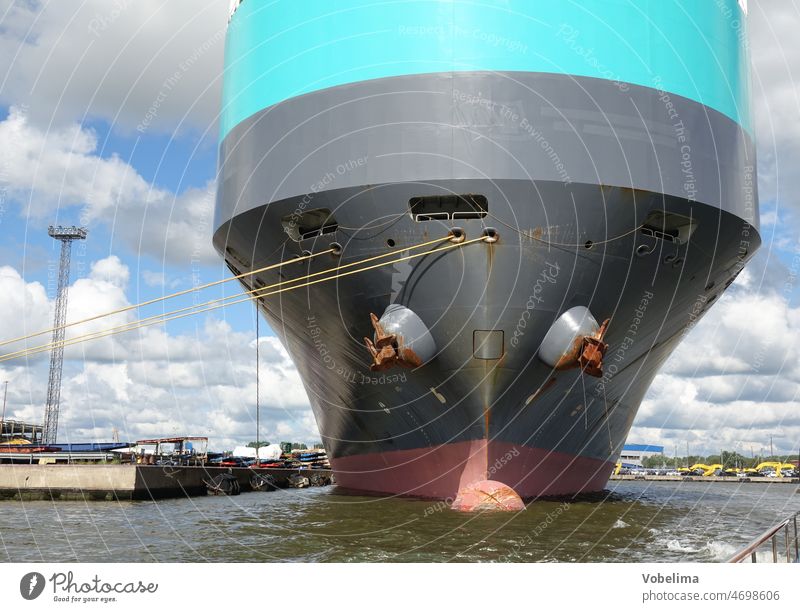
[{"x": 632, "y": 521}]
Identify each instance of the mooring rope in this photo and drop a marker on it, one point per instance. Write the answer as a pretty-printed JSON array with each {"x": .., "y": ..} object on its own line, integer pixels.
[{"x": 250, "y": 295}]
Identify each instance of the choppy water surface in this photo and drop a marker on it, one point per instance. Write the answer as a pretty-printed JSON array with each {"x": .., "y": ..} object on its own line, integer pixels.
[{"x": 633, "y": 521}]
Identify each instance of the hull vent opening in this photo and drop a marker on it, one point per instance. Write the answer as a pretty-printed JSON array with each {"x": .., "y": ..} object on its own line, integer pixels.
[
  {"x": 668, "y": 226},
  {"x": 309, "y": 224},
  {"x": 448, "y": 207}
]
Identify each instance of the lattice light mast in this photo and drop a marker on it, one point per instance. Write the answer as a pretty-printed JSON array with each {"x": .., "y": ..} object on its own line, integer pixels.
[{"x": 66, "y": 235}]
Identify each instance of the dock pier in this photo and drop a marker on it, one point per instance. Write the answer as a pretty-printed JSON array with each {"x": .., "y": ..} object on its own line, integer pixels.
[
  {"x": 755, "y": 479},
  {"x": 112, "y": 482}
]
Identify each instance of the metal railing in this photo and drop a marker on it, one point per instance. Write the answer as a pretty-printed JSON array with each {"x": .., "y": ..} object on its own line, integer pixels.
[{"x": 788, "y": 527}]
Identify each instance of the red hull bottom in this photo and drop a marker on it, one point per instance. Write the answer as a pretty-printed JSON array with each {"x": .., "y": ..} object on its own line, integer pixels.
[{"x": 441, "y": 472}]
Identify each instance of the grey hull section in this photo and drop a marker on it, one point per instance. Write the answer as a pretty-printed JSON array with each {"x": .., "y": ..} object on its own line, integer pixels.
[
  {"x": 498, "y": 126},
  {"x": 570, "y": 235},
  {"x": 516, "y": 288}
]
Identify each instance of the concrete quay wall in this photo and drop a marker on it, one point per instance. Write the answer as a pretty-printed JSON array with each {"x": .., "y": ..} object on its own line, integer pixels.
[{"x": 122, "y": 481}]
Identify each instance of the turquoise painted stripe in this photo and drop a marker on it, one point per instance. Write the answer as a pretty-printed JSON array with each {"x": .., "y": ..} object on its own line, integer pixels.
[{"x": 277, "y": 49}]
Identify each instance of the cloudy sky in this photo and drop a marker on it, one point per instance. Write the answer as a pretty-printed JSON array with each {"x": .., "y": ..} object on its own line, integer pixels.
[{"x": 93, "y": 131}]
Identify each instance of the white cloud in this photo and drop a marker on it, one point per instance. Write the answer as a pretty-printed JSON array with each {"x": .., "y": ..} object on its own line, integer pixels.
[
  {"x": 112, "y": 59},
  {"x": 733, "y": 382},
  {"x": 150, "y": 382},
  {"x": 733, "y": 341},
  {"x": 112, "y": 271},
  {"x": 24, "y": 307},
  {"x": 29, "y": 310},
  {"x": 153, "y": 279},
  {"x": 161, "y": 280},
  {"x": 60, "y": 168}
]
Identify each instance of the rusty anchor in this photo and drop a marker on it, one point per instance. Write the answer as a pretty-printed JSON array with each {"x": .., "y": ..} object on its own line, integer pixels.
[
  {"x": 587, "y": 353},
  {"x": 389, "y": 350}
]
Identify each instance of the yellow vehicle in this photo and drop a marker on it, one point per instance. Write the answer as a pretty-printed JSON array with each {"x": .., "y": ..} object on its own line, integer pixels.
[
  {"x": 776, "y": 465},
  {"x": 708, "y": 470}
]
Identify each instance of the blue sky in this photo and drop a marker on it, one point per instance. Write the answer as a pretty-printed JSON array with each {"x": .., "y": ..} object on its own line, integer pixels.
[
  {"x": 177, "y": 165},
  {"x": 83, "y": 77}
]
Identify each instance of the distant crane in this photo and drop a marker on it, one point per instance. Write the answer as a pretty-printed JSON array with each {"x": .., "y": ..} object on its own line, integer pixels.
[{"x": 66, "y": 235}]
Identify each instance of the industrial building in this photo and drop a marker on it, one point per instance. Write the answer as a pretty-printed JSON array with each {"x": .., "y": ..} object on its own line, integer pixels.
[{"x": 633, "y": 454}]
